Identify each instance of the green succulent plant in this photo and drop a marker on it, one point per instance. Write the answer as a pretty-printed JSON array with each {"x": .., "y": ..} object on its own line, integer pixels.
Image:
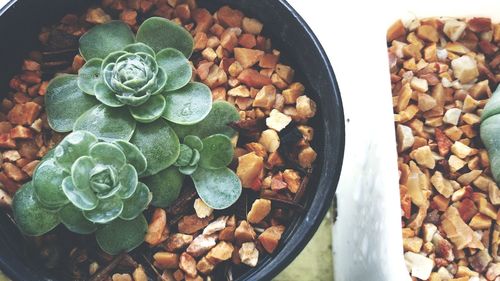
[
  {"x": 129, "y": 84},
  {"x": 205, "y": 161},
  {"x": 128, "y": 107},
  {"x": 89, "y": 186},
  {"x": 490, "y": 132}
]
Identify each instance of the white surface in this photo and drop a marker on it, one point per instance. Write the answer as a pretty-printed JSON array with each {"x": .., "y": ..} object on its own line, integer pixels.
[{"x": 367, "y": 235}]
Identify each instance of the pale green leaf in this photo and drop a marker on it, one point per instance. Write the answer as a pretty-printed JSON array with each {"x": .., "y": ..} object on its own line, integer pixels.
[
  {"x": 107, "y": 123},
  {"x": 165, "y": 186},
  {"x": 30, "y": 216},
  {"x": 121, "y": 235},
  {"x": 89, "y": 75},
  {"x": 137, "y": 203},
  {"x": 104, "y": 39},
  {"x": 160, "y": 33},
  {"x": 188, "y": 105},
  {"x": 159, "y": 144},
  {"x": 65, "y": 102},
  {"x": 176, "y": 66},
  {"x": 219, "y": 188}
]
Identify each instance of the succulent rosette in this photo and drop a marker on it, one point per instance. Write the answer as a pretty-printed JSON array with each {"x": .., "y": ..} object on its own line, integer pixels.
[
  {"x": 205, "y": 161},
  {"x": 89, "y": 186}
]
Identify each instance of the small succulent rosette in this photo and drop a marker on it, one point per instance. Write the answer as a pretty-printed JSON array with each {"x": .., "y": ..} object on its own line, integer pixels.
[
  {"x": 206, "y": 161},
  {"x": 137, "y": 88},
  {"x": 89, "y": 186},
  {"x": 490, "y": 132}
]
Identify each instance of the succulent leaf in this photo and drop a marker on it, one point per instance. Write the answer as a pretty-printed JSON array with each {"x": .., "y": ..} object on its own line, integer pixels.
[
  {"x": 105, "y": 95},
  {"x": 106, "y": 211},
  {"x": 219, "y": 188},
  {"x": 188, "y": 105},
  {"x": 128, "y": 181},
  {"x": 122, "y": 235},
  {"x": 216, "y": 122},
  {"x": 150, "y": 110},
  {"x": 107, "y": 123},
  {"x": 104, "y": 39},
  {"x": 176, "y": 66},
  {"x": 65, "y": 102},
  {"x": 158, "y": 143},
  {"x": 73, "y": 219},
  {"x": 139, "y": 48},
  {"x": 83, "y": 199},
  {"x": 165, "y": 186},
  {"x": 185, "y": 155},
  {"x": 188, "y": 170},
  {"x": 134, "y": 155},
  {"x": 137, "y": 203},
  {"x": 194, "y": 142},
  {"x": 90, "y": 75},
  {"x": 217, "y": 152},
  {"x": 47, "y": 183},
  {"x": 80, "y": 172},
  {"x": 160, "y": 33},
  {"x": 72, "y": 147},
  {"x": 30, "y": 216},
  {"x": 108, "y": 154}
]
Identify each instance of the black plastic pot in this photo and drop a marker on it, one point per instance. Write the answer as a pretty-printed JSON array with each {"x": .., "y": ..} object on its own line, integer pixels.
[{"x": 21, "y": 23}]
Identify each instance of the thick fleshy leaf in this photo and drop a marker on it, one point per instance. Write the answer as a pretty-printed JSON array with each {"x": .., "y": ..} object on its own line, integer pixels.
[
  {"x": 188, "y": 105},
  {"x": 80, "y": 172},
  {"x": 185, "y": 155},
  {"x": 134, "y": 155},
  {"x": 139, "y": 48},
  {"x": 216, "y": 122},
  {"x": 128, "y": 181},
  {"x": 72, "y": 147},
  {"x": 196, "y": 157},
  {"x": 108, "y": 154},
  {"x": 188, "y": 170},
  {"x": 104, "y": 39},
  {"x": 74, "y": 220},
  {"x": 83, "y": 199},
  {"x": 194, "y": 142},
  {"x": 107, "y": 210},
  {"x": 160, "y": 33},
  {"x": 161, "y": 82},
  {"x": 122, "y": 235},
  {"x": 107, "y": 123},
  {"x": 137, "y": 203},
  {"x": 47, "y": 183},
  {"x": 176, "y": 66},
  {"x": 65, "y": 102},
  {"x": 159, "y": 144},
  {"x": 89, "y": 75},
  {"x": 217, "y": 152},
  {"x": 134, "y": 100},
  {"x": 111, "y": 58},
  {"x": 149, "y": 111},
  {"x": 105, "y": 95},
  {"x": 165, "y": 186},
  {"x": 218, "y": 188},
  {"x": 30, "y": 216}
]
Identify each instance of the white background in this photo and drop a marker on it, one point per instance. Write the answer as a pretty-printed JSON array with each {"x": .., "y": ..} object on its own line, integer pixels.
[{"x": 367, "y": 236}]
